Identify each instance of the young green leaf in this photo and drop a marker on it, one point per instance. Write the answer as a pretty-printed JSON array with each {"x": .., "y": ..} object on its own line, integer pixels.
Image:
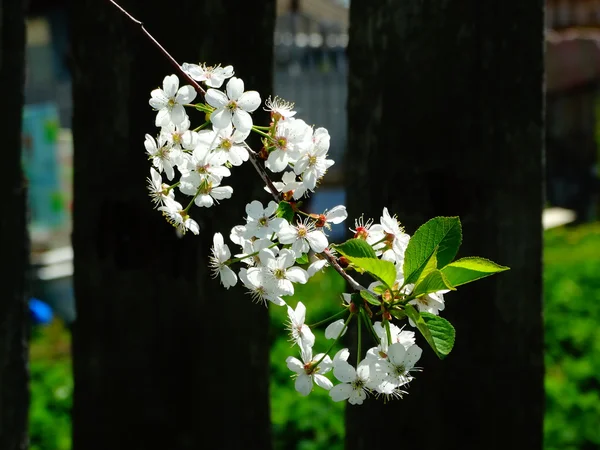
[
  {"x": 285, "y": 210},
  {"x": 442, "y": 332},
  {"x": 357, "y": 248},
  {"x": 443, "y": 233},
  {"x": 384, "y": 271},
  {"x": 433, "y": 282},
  {"x": 437, "y": 331},
  {"x": 469, "y": 269},
  {"x": 369, "y": 297},
  {"x": 302, "y": 259}
]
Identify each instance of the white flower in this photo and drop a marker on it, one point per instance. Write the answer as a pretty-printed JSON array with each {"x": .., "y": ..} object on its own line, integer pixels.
[
  {"x": 398, "y": 365},
  {"x": 288, "y": 184},
  {"x": 226, "y": 145},
  {"x": 218, "y": 262},
  {"x": 261, "y": 286},
  {"x": 212, "y": 76},
  {"x": 356, "y": 383},
  {"x": 308, "y": 372},
  {"x": 313, "y": 162},
  {"x": 334, "y": 329},
  {"x": 179, "y": 218},
  {"x": 299, "y": 331},
  {"x": 316, "y": 266},
  {"x": 164, "y": 157},
  {"x": 209, "y": 193},
  {"x": 398, "y": 335},
  {"x": 159, "y": 191},
  {"x": 432, "y": 302},
  {"x": 233, "y": 107},
  {"x": 279, "y": 108},
  {"x": 283, "y": 270},
  {"x": 169, "y": 101},
  {"x": 291, "y": 137},
  {"x": 303, "y": 236},
  {"x": 179, "y": 136},
  {"x": 202, "y": 167},
  {"x": 261, "y": 222},
  {"x": 396, "y": 239},
  {"x": 336, "y": 215}
]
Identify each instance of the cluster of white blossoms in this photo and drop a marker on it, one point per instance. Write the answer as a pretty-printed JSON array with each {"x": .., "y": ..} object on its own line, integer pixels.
[{"x": 280, "y": 245}]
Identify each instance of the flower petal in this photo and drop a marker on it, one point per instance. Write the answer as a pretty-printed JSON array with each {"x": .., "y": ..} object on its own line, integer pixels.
[
  {"x": 235, "y": 88},
  {"x": 249, "y": 101}
]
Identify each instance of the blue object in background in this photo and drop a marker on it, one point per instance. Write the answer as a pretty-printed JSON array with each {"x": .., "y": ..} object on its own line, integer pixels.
[
  {"x": 40, "y": 312},
  {"x": 40, "y": 163}
]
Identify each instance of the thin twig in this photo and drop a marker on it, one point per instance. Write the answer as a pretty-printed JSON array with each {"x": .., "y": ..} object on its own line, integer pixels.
[
  {"x": 190, "y": 80},
  {"x": 333, "y": 262},
  {"x": 263, "y": 174}
]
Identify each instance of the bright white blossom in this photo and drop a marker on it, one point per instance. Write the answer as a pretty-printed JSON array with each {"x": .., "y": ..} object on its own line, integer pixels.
[
  {"x": 300, "y": 332},
  {"x": 212, "y": 76},
  {"x": 394, "y": 247},
  {"x": 169, "y": 101},
  {"x": 260, "y": 286},
  {"x": 178, "y": 217},
  {"x": 279, "y": 108},
  {"x": 355, "y": 383},
  {"x": 158, "y": 190},
  {"x": 218, "y": 262},
  {"x": 164, "y": 157},
  {"x": 303, "y": 236},
  {"x": 313, "y": 163},
  {"x": 334, "y": 329},
  {"x": 261, "y": 222},
  {"x": 233, "y": 107},
  {"x": 308, "y": 372},
  {"x": 282, "y": 269},
  {"x": 291, "y": 137}
]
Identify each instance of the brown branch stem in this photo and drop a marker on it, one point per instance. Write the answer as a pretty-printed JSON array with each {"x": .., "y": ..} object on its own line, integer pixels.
[{"x": 189, "y": 79}]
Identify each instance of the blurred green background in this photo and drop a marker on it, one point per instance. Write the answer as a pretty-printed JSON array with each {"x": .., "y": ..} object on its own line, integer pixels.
[{"x": 572, "y": 317}]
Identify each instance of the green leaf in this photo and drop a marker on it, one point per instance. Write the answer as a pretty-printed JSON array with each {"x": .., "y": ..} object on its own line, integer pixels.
[
  {"x": 357, "y": 248},
  {"x": 372, "y": 299},
  {"x": 469, "y": 269},
  {"x": 285, "y": 210},
  {"x": 441, "y": 233},
  {"x": 442, "y": 332},
  {"x": 433, "y": 282},
  {"x": 384, "y": 271},
  {"x": 437, "y": 331},
  {"x": 380, "y": 289},
  {"x": 302, "y": 260},
  {"x": 398, "y": 313},
  {"x": 430, "y": 266}
]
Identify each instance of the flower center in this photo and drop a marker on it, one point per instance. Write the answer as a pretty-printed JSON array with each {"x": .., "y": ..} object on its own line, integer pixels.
[
  {"x": 302, "y": 231},
  {"x": 202, "y": 168},
  {"x": 231, "y": 106},
  {"x": 226, "y": 144},
  {"x": 279, "y": 274},
  {"x": 281, "y": 142}
]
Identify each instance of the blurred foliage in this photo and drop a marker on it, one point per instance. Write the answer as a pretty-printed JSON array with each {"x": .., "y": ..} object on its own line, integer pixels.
[
  {"x": 51, "y": 388},
  {"x": 572, "y": 319}
]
